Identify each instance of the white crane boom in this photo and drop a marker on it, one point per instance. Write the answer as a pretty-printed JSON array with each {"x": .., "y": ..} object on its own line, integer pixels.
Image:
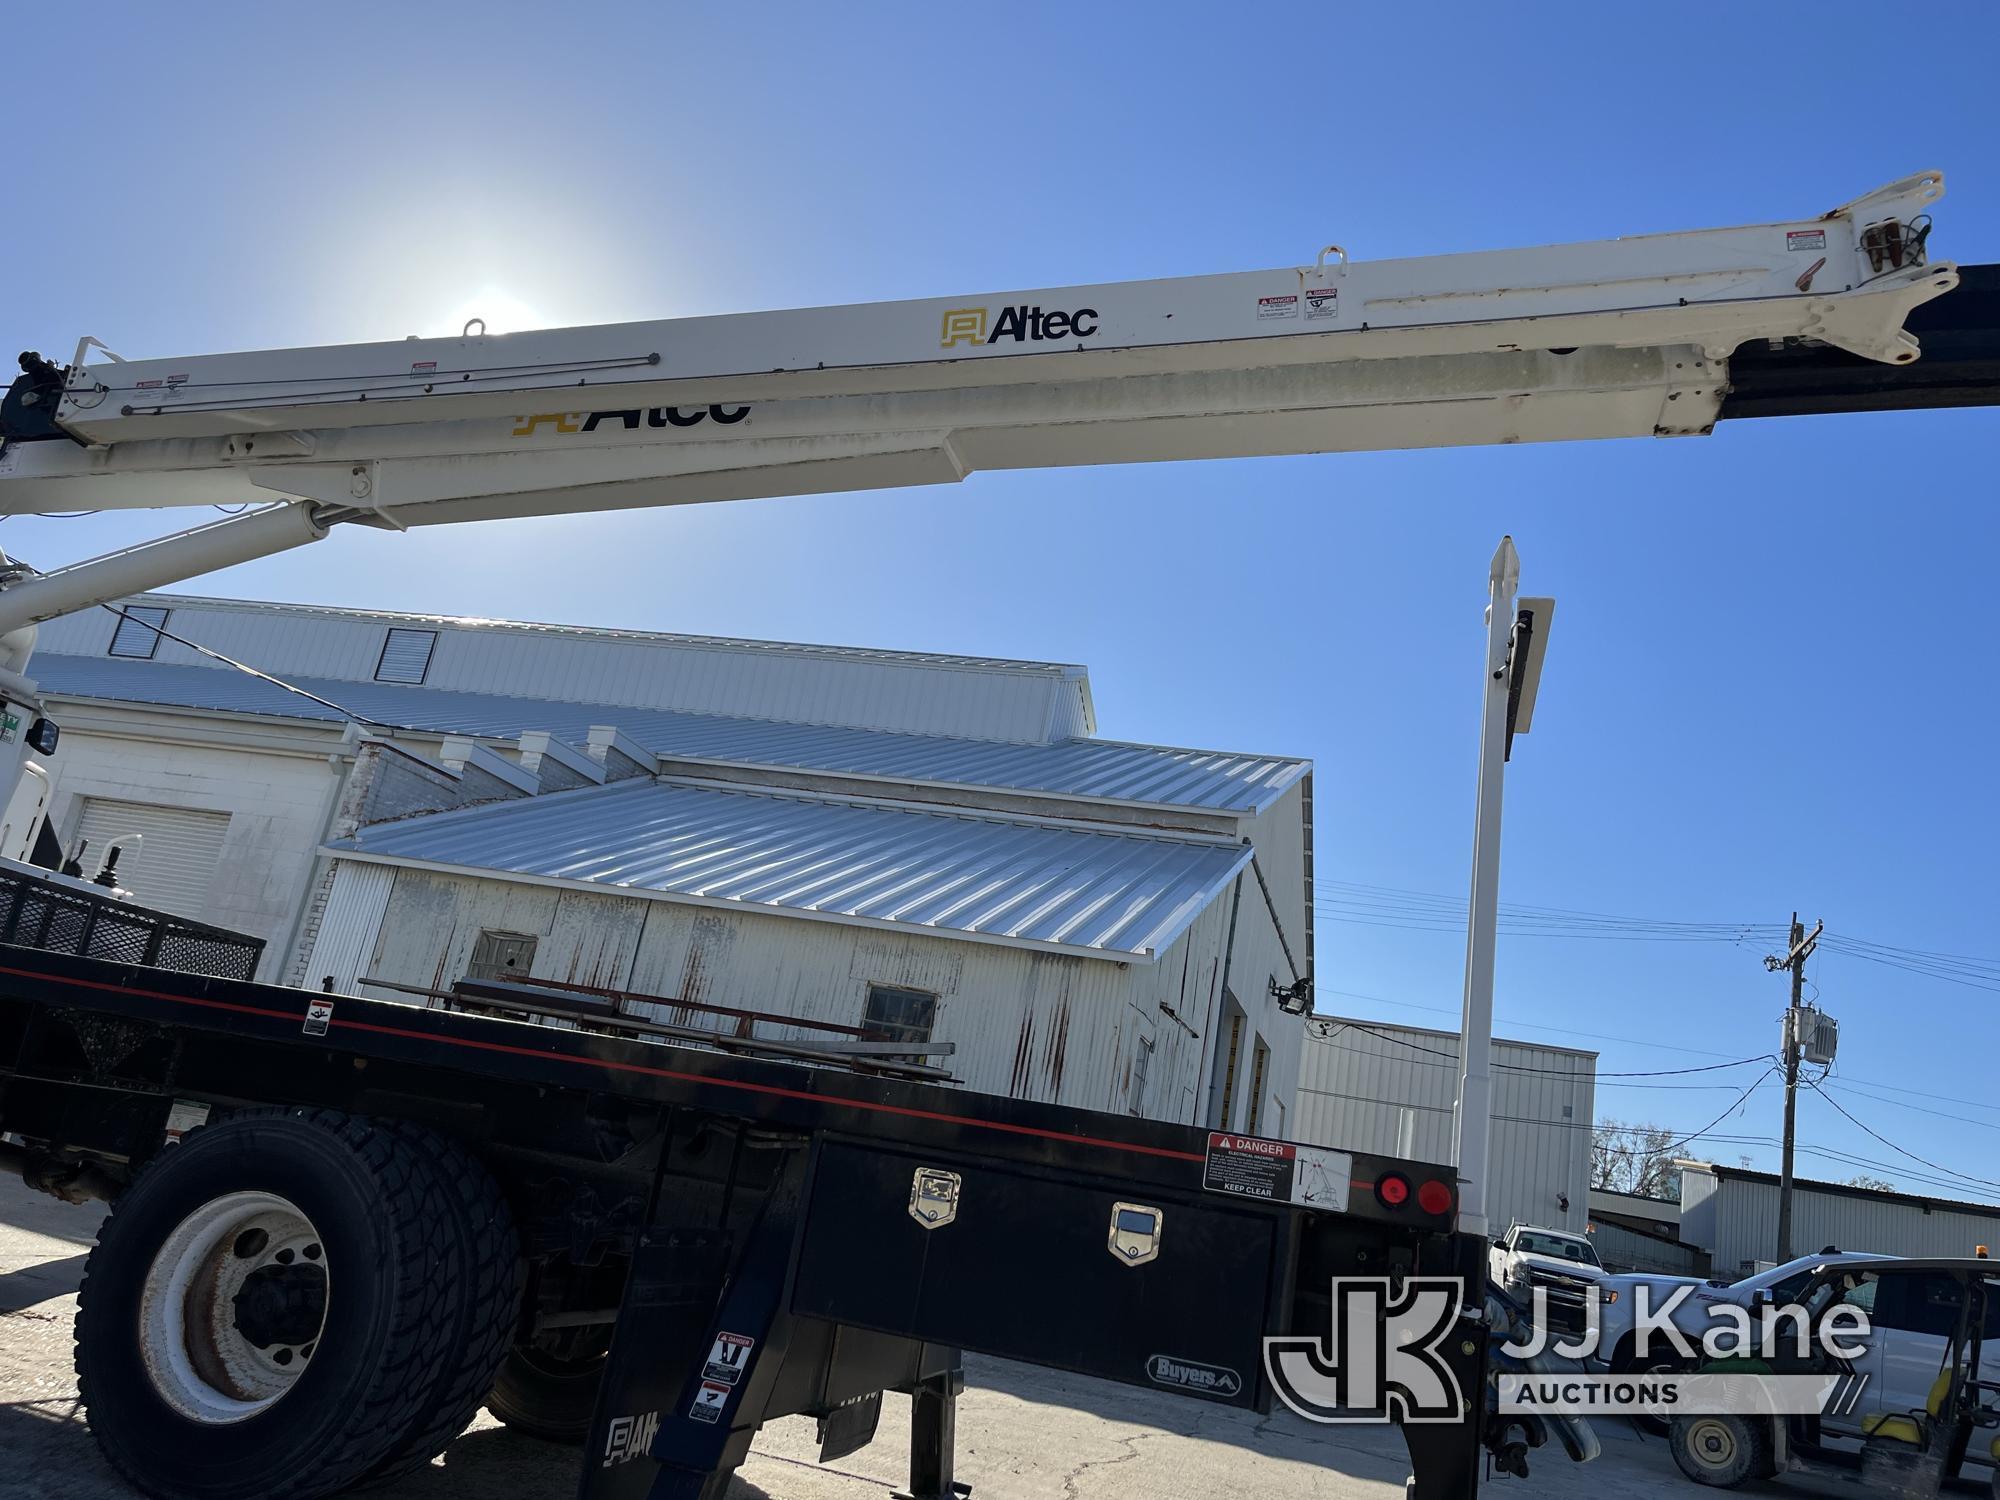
[
  {"x": 1611, "y": 339},
  {"x": 1616, "y": 338}
]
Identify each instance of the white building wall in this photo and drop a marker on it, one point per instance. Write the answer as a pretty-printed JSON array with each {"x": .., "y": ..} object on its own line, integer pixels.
[
  {"x": 1257, "y": 960},
  {"x": 343, "y": 942},
  {"x": 277, "y": 802},
  {"x": 1275, "y": 908},
  {"x": 1025, "y": 702},
  {"x": 1391, "y": 1089},
  {"x": 1734, "y": 1215},
  {"x": 1027, "y": 1024}
]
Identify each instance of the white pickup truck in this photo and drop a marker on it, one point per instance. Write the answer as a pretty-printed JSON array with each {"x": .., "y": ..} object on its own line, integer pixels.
[
  {"x": 1694, "y": 1314},
  {"x": 1903, "y": 1356},
  {"x": 1526, "y": 1257}
]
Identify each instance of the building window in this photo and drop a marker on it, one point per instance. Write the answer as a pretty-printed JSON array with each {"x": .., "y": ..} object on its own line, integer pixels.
[
  {"x": 1223, "y": 1108},
  {"x": 501, "y": 955},
  {"x": 406, "y": 656},
  {"x": 1257, "y": 1087},
  {"x": 1142, "y": 1065},
  {"x": 899, "y": 1015},
  {"x": 138, "y": 632}
]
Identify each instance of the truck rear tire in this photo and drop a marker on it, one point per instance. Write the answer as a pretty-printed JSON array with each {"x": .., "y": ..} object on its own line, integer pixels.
[
  {"x": 267, "y": 1307},
  {"x": 1653, "y": 1365},
  {"x": 489, "y": 1260},
  {"x": 543, "y": 1396}
]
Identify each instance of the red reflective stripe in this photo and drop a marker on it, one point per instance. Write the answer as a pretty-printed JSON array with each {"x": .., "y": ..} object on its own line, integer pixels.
[{"x": 771, "y": 1090}]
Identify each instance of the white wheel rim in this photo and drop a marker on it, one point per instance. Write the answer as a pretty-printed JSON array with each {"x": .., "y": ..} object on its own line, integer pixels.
[
  {"x": 231, "y": 1312},
  {"x": 1713, "y": 1444}
]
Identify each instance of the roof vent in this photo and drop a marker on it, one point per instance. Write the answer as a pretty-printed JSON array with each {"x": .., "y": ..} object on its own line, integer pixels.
[{"x": 406, "y": 656}]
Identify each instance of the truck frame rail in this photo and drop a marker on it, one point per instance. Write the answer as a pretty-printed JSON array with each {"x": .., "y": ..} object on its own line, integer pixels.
[{"x": 761, "y": 1238}]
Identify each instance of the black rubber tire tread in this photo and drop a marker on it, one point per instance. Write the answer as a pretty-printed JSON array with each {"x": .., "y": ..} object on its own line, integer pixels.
[
  {"x": 490, "y": 1265},
  {"x": 338, "y": 1442},
  {"x": 1649, "y": 1425},
  {"x": 539, "y": 1404}
]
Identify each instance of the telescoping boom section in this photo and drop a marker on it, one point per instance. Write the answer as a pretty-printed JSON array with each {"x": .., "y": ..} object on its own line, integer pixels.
[
  {"x": 792, "y": 1239},
  {"x": 1614, "y": 338}
]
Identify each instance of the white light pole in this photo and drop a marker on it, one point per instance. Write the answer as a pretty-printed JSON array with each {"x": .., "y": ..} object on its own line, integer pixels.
[{"x": 1516, "y": 638}]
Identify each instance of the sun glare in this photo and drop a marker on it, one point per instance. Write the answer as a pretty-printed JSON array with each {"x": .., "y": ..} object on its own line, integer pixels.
[{"x": 502, "y": 311}]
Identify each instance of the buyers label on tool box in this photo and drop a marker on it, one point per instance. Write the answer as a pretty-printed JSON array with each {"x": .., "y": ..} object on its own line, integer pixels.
[{"x": 1247, "y": 1166}]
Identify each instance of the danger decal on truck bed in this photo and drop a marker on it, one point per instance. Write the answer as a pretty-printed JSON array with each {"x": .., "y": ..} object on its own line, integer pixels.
[{"x": 1246, "y": 1166}]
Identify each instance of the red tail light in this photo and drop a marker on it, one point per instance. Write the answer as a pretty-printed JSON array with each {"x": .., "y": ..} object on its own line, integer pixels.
[
  {"x": 1392, "y": 1190},
  {"x": 1435, "y": 1197}
]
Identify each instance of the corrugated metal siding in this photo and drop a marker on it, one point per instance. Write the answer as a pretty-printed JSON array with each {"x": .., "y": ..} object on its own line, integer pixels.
[
  {"x": 1112, "y": 895},
  {"x": 345, "y": 942},
  {"x": 1279, "y": 832},
  {"x": 1737, "y": 1219},
  {"x": 1387, "y": 1089},
  {"x": 906, "y": 692},
  {"x": 1026, "y": 1024},
  {"x": 1623, "y": 1249},
  {"x": 1152, "y": 775},
  {"x": 1073, "y": 717}
]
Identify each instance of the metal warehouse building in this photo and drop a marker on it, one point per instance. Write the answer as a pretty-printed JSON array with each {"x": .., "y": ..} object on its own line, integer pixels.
[
  {"x": 1733, "y": 1213},
  {"x": 1376, "y": 1086},
  {"x": 920, "y": 847}
]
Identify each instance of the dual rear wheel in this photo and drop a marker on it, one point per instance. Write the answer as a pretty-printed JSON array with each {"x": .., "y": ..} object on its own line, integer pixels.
[{"x": 291, "y": 1302}]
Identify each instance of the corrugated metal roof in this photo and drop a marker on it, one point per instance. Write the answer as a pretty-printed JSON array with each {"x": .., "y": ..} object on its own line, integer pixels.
[
  {"x": 599, "y": 633},
  {"x": 1105, "y": 895},
  {"x": 1153, "y": 775}
]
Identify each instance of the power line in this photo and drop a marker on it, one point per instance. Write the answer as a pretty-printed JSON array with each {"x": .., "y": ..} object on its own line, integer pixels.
[
  {"x": 1396, "y": 907},
  {"x": 1900, "y": 1104},
  {"x": 1970, "y": 976},
  {"x": 1456, "y": 904},
  {"x": 1366, "y": 915},
  {"x": 1742, "y": 1099},
  {"x": 1899, "y": 1150},
  {"x": 1848, "y": 1159},
  {"x": 1595, "y": 1036},
  {"x": 230, "y": 661},
  {"x": 1991, "y": 965},
  {"x": 1452, "y": 1058}
]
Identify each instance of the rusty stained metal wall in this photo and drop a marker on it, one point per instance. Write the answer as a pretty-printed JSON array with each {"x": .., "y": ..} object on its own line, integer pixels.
[
  {"x": 1262, "y": 958},
  {"x": 1027, "y": 1024}
]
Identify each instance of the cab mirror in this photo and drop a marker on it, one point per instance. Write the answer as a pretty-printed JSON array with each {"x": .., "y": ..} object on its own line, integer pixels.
[
  {"x": 42, "y": 736},
  {"x": 1763, "y": 1297}
]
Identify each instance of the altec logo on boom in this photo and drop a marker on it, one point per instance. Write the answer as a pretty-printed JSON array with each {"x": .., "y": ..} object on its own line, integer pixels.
[{"x": 1022, "y": 325}]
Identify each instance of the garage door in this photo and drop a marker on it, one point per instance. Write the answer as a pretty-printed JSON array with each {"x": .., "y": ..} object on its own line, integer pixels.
[{"x": 173, "y": 868}]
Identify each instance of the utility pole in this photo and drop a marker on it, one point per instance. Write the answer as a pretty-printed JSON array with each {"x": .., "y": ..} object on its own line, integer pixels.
[{"x": 1794, "y": 960}]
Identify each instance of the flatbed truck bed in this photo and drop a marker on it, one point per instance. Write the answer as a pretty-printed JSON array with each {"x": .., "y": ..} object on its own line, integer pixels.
[{"x": 706, "y": 1240}]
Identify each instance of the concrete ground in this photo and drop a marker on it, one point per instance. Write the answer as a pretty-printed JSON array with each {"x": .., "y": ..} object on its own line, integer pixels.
[{"x": 1023, "y": 1434}]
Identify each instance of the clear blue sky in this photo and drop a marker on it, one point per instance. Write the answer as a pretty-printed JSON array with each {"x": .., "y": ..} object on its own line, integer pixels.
[{"x": 1771, "y": 683}]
